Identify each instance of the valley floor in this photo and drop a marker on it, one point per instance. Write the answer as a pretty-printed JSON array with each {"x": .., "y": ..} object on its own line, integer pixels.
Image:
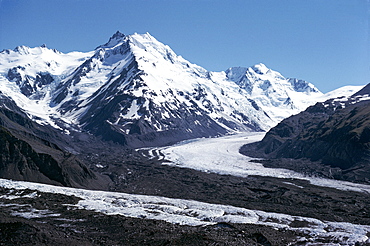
[
  {"x": 221, "y": 155},
  {"x": 198, "y": 192}
]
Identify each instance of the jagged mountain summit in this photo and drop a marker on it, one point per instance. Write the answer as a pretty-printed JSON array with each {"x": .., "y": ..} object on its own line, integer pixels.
[
  {"x": 136, "y": 91},
  {"x": 278, "y": 96}
]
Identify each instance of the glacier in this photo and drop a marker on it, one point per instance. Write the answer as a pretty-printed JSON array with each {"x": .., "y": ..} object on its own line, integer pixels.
[
  {"x": 187, "y": 212},
  {"x": 221, "y": 155}
]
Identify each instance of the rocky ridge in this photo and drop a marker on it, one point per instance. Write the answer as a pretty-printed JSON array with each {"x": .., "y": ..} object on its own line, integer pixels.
[{"x": 334, "y": 133}]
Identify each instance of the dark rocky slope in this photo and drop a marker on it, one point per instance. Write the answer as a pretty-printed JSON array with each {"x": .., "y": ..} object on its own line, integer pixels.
[
  {"x": 33, "y": 152},
  {"x": 335, "y": 134}
]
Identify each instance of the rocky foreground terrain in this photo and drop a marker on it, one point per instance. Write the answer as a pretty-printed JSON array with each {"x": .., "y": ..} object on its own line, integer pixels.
[
  {"x": 52, "y": 222},
  {"x": 33, "y": 217}
]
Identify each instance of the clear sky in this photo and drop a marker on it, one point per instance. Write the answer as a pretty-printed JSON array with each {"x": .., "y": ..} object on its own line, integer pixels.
[{"x": 325, "y": 42}]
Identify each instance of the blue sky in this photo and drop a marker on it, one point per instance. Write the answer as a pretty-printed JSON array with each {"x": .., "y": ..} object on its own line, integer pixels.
[{"x": 325, "y": 42}]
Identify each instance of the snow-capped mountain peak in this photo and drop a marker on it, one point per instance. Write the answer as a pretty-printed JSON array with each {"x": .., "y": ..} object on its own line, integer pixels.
[
  {"x": 113, "y": 41},
  {"x": 260, "y": 68},
  {"x": 138, "y": 91},
  {"x": 23, "y": 50},
  {"x": 145, "y": 45},
  {"x": 40, "y": 59},
  {"x": 278, "y": 96}
]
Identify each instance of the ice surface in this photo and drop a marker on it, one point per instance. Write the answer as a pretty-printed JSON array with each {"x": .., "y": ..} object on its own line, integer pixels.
[
  {"x": 221, "y": 155},
  {"x": 188, "y": 212},
  {"x": 31, "y": 213}
]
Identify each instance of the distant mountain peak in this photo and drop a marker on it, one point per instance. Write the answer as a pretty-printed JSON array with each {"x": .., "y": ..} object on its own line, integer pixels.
[
  {"x": 114, "y": 40},
  {"x": 22, "y": 49},
  {"x": 117, "y": 35},
  {"x": 260, "y": 68},
  {"x": 26, "y": 50},
  {"x": 237, "y": 74}
]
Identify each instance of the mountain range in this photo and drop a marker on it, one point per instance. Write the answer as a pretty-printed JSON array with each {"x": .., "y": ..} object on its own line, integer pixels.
[{"x": 136, "y": 91}]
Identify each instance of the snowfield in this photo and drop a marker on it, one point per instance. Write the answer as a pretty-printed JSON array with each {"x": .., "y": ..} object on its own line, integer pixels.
[
  {"x": 187, "y": 212},
  {"x": 221, "y": 155}
]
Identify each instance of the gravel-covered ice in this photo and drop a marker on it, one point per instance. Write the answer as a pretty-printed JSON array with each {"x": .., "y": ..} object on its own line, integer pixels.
[{"x": 188, "y": 212}]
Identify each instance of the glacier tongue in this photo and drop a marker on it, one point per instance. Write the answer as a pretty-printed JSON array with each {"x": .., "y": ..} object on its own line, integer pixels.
[{"x": 136, "y": 89}]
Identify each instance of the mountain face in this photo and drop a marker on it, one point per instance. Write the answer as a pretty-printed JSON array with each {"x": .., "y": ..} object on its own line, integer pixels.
[
  {"x": 136, "y": 91},
  {"x": 335, "y": 133},
  {"x": 29, "y": 151},
  {"x": 278, "y": 96}
]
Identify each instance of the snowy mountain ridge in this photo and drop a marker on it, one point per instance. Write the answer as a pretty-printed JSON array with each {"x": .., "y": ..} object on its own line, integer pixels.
[
  {"x": 278, "y": 96},
  {"x": 139, "y": 90}
]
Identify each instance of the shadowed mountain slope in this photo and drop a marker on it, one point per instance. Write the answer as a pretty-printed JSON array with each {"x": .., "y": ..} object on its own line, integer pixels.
[
  {"x": 335, "y": 133},
  {"x": 29, "y": 152}
]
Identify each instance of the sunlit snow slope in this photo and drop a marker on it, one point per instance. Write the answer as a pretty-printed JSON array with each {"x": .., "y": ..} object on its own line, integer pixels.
[{"x": 137, "y": 91}]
